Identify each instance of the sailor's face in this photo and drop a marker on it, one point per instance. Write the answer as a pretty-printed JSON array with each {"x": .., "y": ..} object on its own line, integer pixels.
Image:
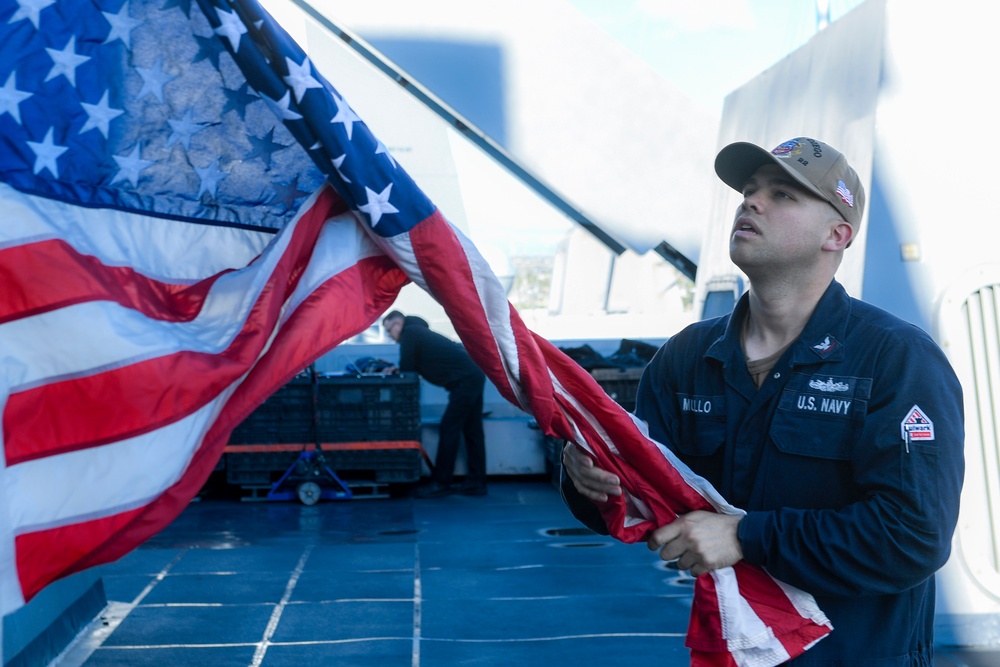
[{"x": 778, "y": 222}]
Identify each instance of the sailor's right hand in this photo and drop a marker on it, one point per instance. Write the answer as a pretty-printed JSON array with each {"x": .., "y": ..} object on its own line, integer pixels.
[{"x": 592, "y": 482}]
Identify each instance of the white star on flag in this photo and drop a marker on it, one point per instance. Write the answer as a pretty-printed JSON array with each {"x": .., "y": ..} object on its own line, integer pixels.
[
  {"x": 300, "y": 78},
  {"x": 65, "y": 62},
  {"x": 344, "y": 115},
  {"x": 280, "y": 107},
  {"x": 11, "y": 97},
  {"x": 46, "y": 154},
  {"x": 130, "y": 167},
  {"x": 382, "y": 150},
  {"x": 378, "y": 204},
  {"x": 30, "y": 9},
  {"x": 337, "y": 161},
  {"x": 232, "y": 28},
  {"x": 122, "y": 26},
  {"x": 99, "y": 116},
  {"x": 153, "y": 80}
]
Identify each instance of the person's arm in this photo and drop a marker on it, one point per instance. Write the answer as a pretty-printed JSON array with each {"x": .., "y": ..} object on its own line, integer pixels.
[
  {"x": 582, "y": 484},
  {"x": 407, "y": 352},
  {"x": 900, "y": 533}
]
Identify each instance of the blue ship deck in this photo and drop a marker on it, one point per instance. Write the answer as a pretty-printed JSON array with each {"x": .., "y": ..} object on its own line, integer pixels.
[{"x": 509, "y": 578}]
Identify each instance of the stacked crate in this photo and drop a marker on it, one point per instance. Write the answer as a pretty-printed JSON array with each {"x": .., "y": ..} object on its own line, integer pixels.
[
  {"x": 368, "y": 427},
  {"x": 365, "y": 408}
]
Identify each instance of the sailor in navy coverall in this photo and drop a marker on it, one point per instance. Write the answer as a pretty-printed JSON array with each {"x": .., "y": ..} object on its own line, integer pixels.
[{"x": 845, "y": 443}]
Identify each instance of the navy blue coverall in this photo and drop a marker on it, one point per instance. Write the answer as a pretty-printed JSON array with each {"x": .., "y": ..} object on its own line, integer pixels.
[{"x": 849, "y": 460}]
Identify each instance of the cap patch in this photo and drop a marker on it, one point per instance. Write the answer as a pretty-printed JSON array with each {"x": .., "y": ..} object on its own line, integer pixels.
[
  {"x": 845, "y": 194},
  {"x": 916, "y": 426},
  {"x": 787, "y": 149}
]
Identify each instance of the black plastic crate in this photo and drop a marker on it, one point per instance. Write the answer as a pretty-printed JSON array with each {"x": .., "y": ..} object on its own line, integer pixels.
[
  {"x": 621, "y": 384},
  {"x": 367, "y": 408},
  {"x": 257, "y": 467},
  {"x": 347, "y": 408},
  {"x": 286, "y": 416},
  {"x": 387, "y": 464}
]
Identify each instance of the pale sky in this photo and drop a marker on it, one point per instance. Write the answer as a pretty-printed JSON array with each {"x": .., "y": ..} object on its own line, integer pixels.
[{"x": 708, "y": 48}]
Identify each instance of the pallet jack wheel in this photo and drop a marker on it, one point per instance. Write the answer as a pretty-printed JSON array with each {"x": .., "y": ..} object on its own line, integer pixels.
[{"x": 309, "y": 493}]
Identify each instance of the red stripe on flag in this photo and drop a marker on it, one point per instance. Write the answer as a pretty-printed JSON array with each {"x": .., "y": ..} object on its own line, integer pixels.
[
  {"x": 45, "y": 555},
  {"x": 772, "y": 606},
  {"x": 453, "y": 283},
  {"x": 51, "y": 274},
  {"x": 342, "y": 306},
  {"x": 125, "y": 402}
]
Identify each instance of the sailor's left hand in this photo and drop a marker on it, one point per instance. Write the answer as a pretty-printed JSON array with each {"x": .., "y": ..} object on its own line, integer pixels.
[{"x": 699, "y": 541}]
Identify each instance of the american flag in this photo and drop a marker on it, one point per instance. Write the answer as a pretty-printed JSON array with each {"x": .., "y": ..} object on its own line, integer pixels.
[
  {"x": 845, "y": 193},
  {"x": 192, "y": 214}
]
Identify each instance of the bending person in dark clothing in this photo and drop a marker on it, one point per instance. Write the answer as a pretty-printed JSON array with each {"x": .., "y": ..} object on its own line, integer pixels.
[{"x": 445, "y": 363}]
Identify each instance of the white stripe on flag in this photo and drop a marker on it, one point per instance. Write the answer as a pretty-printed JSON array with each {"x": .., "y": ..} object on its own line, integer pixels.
[
  {"x": 75, "y": 339},
  {"x": 10, "y": 587},
  {"x": 750, "y": 641},
  {"x": 100, "y": 481},
  {"x": 342, "y": 243},
  {"x": 163, "y": 250}
]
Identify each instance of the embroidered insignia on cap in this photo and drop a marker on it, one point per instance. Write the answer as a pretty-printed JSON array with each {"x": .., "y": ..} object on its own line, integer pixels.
[
  {"x": 826, "y": 347},
  {"x": 785, "y": 149},
  {"x": 916, "y": 426},
  {"x": 845, "y": 194}
]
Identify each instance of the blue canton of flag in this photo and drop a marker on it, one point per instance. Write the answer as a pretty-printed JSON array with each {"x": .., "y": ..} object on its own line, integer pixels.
[{"x": 95, "y": 109}]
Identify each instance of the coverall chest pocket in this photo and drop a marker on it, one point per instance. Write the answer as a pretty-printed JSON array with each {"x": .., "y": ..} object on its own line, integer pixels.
[
  {"x": 702, "y": 425},
  {"x": 817, "y": 424}
]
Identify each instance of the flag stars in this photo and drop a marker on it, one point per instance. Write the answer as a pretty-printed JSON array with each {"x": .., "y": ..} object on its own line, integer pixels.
[
  {"x": 66, "y": 62},
  {"x": 184, "y": 5},
  {"x": 280, "y": 107},
  {"x": 183, "y": 130},
  {"x": 287, "y": 194},
  {"x": 382, "y": 150},
  {"x": 238, "y": 100},
  {"x": 209, "y": 177},
  {"x": 122, "y": 26},
  {"x": 264, "y": 147},
  {"x": 153, "y": 80},
  {"x": 300, "y": 78},
  {"x": 378, "y": 204},
  {"x": 337, "y": 162},
  {"x": 344, "y": 115},
  {"x": 209, "y": 48},
  {"x": 46, "y": 154},
  {"x": 231, "y": 28},
  {"x": 31, "y": 10},
  {"x": 11, "y": 98},
  {"x": 130, "y": 167},
  {"x": 99, "y": 116}
]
